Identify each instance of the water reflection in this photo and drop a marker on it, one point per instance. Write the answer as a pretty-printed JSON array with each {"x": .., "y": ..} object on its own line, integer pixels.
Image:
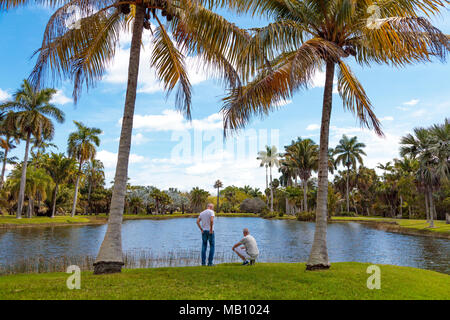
[{"x": 279, "y": 240}]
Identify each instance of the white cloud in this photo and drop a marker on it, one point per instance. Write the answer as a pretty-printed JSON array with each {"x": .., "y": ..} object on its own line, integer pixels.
[
  {"x": 312, "y": 127},
  {"x": 4, "y": 95},
  {"x": 173, "y": 120},
  {"x": 148, "y": 82},
  {"x": 419, "y": 113},
  {"x": 139, "y": 138},
  {"x": 109, "y": 159},
  {"x": 60, "y": 98},
  {"x": 388, "y": 118},
  {"x": 412, "y": 102}
]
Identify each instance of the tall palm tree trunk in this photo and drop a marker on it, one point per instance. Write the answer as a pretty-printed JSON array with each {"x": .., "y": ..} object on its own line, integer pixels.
[
  {"x": 75, "y": 196},
  {"x": 430, "y": 195},
  {"x": 348, "y": 197},
  {"x": 217, "y": 207},
  {"x": 55, "y": 193},
  {"x": 30, "y": 208},
  {"x": 267, "y": 186},
  {"x": 110, "y": 259},
  {"x": 318, "y": 258},
  {"x": 23, "y": 179},
  {"x": 427, "y": 210},
  {"x": 89, "y": 198},
  {"x": 5, "y": 158},
  {"x": 271, "y": 191},
  {"x": 305, "y": 195}
]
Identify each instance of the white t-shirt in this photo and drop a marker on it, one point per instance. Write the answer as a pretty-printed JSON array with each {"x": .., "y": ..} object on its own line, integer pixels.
[
  {"x": 205, "y": 219},
  {"x": 250, "y": 245}
]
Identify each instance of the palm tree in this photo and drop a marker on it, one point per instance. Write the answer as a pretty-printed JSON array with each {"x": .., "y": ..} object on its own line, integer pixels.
[
  {"x": 217, "y": 185},
  {"x": 349, "y": 153},
  {"x": 94, "y": 171},
  {"x": 303, "y": 155},
  {"x": 32, "y": 109},
  {"x": 81, "y": 146},
  {"x": 431, "y": 148},
  {"x": 82, "y": 55},
  {"x": 198, "y": 198},
  {"x": 37, "y": 181},
  {"x": 288, "y": 173},
  {"x": 269, "y": 158},
  {"x": 305, "y": 36},
  {"x": 10, "y": 137},
  {"x": 60, "y": 169}
]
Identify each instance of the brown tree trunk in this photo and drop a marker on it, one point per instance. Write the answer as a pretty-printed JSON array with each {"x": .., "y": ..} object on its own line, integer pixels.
[
  {"x": 348, "y": 197},
  {"x": 318, "y": 258},
  {"x": 23, "y": 179},
  {"x": 75, "y": 196},
  {"x": 426, "y": 205},
  {"x": 430, "y": 193},
  {"x": 55, "y": 193},
  {"x": 271, "y": 191},
  {"x": 305, "y": 195},
  {"x": 217, "y": 208},
  {"x": 110, "y": 259},
  {"x": 5, "y": 158}
]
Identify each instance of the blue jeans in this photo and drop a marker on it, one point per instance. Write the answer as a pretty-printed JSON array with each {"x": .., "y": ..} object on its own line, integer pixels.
[{"x": 207, "y": 237}]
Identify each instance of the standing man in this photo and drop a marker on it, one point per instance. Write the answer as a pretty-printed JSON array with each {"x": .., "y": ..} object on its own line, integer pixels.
[
  {"x": 205, "y": 222},
  {"x": 249, "y": 249}
]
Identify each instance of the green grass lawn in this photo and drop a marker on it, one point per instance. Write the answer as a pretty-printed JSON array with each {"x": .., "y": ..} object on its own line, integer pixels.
[
  {"x": 232, "y": 281},
  {"x": 439, "y": 225},
  {"x": 11, "y": 220}
]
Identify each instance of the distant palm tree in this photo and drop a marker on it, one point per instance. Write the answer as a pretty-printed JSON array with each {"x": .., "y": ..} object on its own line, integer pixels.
[
  {"x": 431, "y": 148},
  {"x": 60, "y": 169},
  {"x": 32, "y": 108},
  {"x": 38, "y": 181},
  {"x": 198, "y": 198},
  {"x": 349, "y": 152},
  {"x": 303, "y": 156},
  {"x": 81, "y": 147},
  {"x": 269, "y": 158},
  {"x": 305, "y": 36},
  {"x": 94, "y": 171},
  {"x": 10, "y": 137},
  {"x": 217, "y": 185}
]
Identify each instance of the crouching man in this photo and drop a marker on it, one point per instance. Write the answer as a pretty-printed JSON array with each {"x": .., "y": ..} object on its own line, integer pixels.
[{"x": 249, "y": 249}]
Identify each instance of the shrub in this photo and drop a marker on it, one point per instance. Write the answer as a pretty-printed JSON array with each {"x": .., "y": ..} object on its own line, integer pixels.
[
  {"x": 306, "y": 216},
  {"x": 280, "y": 214},
  {"x": 253, "y": 205},
  {"x": 346, "y": 214}
]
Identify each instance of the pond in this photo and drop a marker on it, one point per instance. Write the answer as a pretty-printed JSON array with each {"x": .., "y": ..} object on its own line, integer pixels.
[{"x": 177, "y": 242}]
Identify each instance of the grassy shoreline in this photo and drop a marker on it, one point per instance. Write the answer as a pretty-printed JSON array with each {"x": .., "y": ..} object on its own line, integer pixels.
[
  {"x": 10, "y": 221},
  {"x": 344, "y": 280}
]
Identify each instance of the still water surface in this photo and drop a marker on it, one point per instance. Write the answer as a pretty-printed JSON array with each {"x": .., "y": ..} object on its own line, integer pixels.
[{"x": 278, "y": 241}]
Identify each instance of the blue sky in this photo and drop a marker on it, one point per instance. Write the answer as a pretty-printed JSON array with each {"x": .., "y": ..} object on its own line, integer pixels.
[{"x": 167, "y": 151}]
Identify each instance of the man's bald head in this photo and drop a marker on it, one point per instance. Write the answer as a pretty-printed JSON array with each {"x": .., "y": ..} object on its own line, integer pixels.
[
  {"x": 245, "y": 231},
  {"x": 210, "y": 206}
]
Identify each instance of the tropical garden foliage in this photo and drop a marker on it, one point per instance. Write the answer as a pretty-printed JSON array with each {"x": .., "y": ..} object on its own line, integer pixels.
[{"x": 261, "y": 68}]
